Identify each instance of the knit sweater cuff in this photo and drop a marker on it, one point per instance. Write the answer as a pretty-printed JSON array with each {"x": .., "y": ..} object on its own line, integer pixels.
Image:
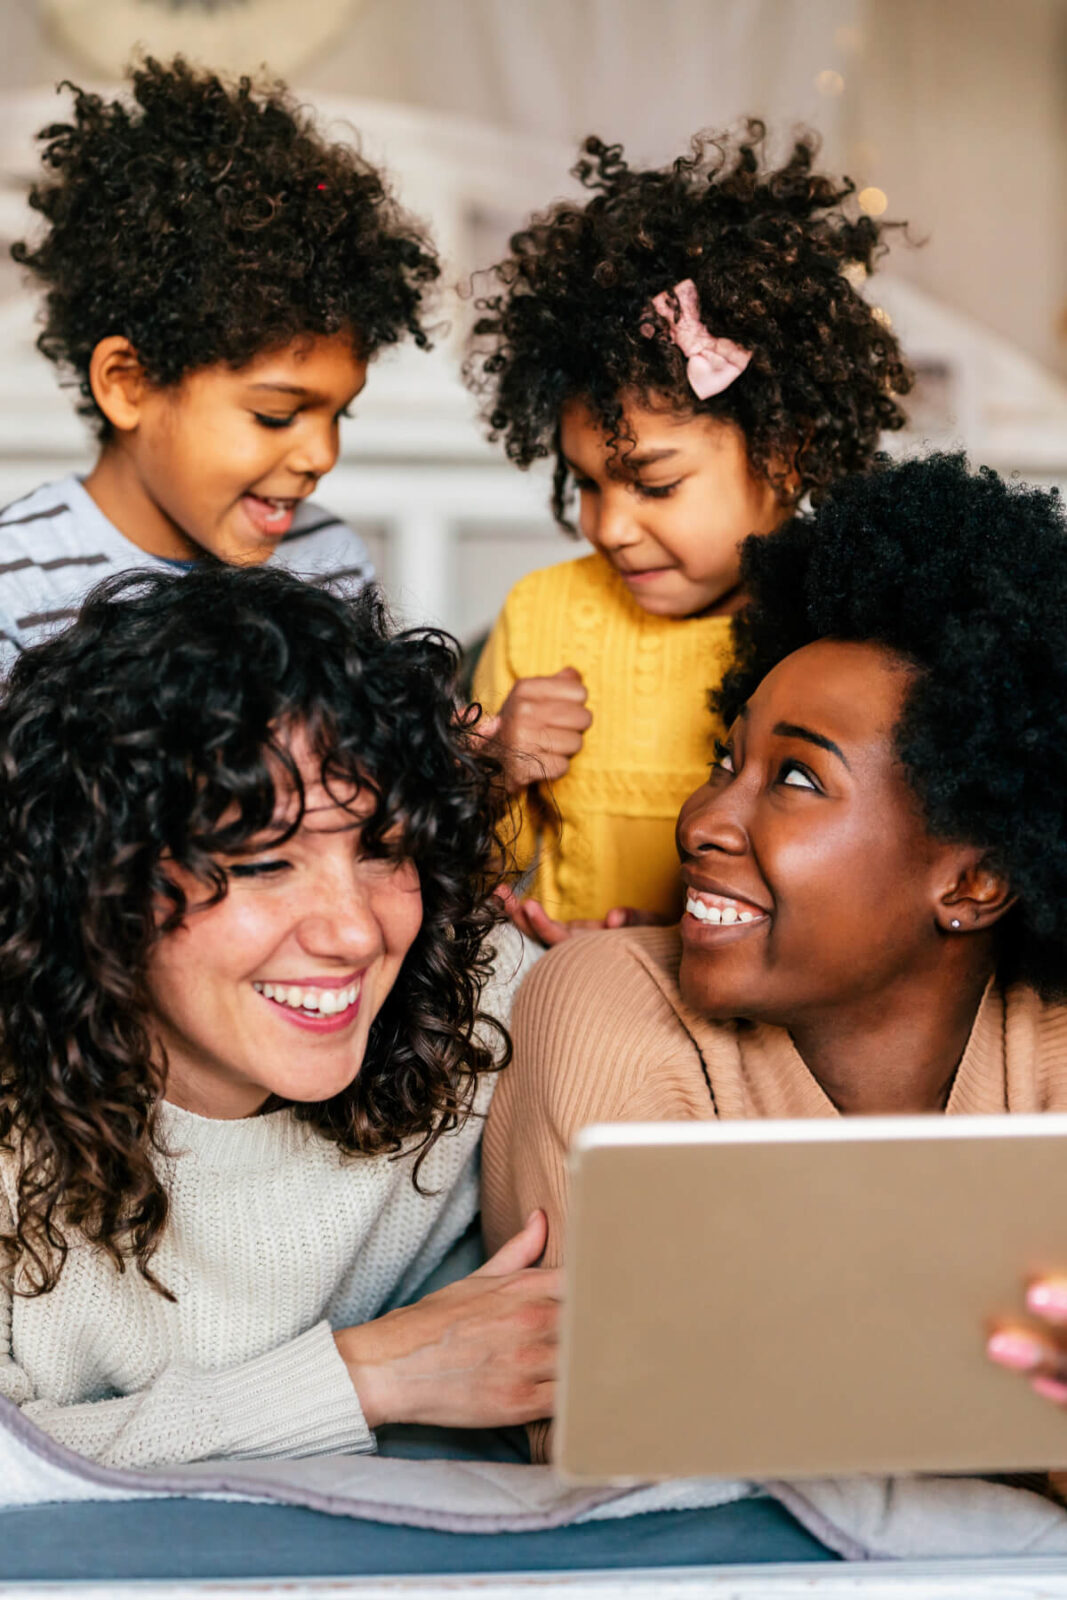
[{"x": 295, "y": 1401}]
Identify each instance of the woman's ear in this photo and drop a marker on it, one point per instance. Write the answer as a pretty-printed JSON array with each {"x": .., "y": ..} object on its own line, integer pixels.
[
  {"x": 118, "y": 382},
  {"x": 979, "y": 897}
]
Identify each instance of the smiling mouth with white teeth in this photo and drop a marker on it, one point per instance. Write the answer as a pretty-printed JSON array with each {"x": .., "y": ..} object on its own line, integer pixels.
[
  {"x": 311, "y": 1002},
  {"x": 720, "y": 909},
  {"x": 279, "y": 508}
]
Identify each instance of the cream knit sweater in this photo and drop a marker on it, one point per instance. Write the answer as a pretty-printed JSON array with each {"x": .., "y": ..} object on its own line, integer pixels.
[{"x": 273, "y": 1240}]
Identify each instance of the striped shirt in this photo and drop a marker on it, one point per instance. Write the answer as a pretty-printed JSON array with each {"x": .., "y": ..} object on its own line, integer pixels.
[{"x": 56, "y": 544}]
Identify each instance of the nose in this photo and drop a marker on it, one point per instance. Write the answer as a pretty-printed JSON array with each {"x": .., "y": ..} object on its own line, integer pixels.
[
  {"x": 315, "y": 451},
  {"x": 338, "y": 923},
  {"x": 711, "y": 822},
  {"x": 609, "y": 521}
]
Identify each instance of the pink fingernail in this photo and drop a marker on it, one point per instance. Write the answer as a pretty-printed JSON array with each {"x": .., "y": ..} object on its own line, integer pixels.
[
  {"x": 1015, "y": 1350},
  {"x": 1047, "y": 1299},
  {"x": 1050, "y": 1389}
]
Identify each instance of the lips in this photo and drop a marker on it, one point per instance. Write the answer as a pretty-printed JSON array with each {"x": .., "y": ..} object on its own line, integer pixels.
[
  {"x": 322, "y": 1007},
  {"x": 270, "y": 515},
  {"x": 713, "y": 914},
  {"x": 713, "y": 892},
  {"x": 643, "y": 575}
]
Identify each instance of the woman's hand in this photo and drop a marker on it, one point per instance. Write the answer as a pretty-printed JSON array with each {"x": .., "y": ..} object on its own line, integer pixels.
[
  {"x": 480, "y": 1353},
  {"x": 1040, "y": 1353},
  {"x": 539, "y": 728},
  {"x": 531, "y": 918}
]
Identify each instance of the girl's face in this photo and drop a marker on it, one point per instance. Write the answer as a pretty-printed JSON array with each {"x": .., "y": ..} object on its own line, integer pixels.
[
  {"x": 673, "y": 526},
  {"x": 810, "y": 840},
  {"x": 273, "y": 990}
]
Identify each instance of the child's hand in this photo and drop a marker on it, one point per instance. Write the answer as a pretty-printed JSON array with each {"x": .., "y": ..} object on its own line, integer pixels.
[
  {"x": 540, "y": 727},
  {"x": 1039, "y": 1354},
  {"x": 531, "y": 918}
]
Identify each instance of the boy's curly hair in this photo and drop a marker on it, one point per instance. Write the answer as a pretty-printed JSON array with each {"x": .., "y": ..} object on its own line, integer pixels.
[
  {"x": 207, "y": 222},
  {"x": 965, "y": 577},
  {"x": 152, "y": 731},
  {"x": 767, "y": 248}
]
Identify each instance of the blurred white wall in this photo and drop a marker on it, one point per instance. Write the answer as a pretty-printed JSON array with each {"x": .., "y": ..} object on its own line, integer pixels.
[{"x": 955, "y": 108}]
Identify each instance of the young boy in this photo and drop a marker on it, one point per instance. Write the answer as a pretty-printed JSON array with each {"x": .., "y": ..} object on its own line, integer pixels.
[{"x": 217, "y": 278}]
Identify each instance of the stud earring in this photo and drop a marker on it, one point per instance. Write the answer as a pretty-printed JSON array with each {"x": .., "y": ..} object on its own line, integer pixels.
[{"x": 955, "y": 923}]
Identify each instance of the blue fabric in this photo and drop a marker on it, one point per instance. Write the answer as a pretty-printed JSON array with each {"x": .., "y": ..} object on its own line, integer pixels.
[
  {"x": 175, "y": 1539},
  {"x": 414, "y": 1442}
]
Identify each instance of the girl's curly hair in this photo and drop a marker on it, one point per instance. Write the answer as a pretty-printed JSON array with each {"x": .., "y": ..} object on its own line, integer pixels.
[
  {"x": 207, "y": 222},
  {"x": 965, "y": 577},
  {"x": 151, "y": 732},
  {"x": 767, "y": 247}
]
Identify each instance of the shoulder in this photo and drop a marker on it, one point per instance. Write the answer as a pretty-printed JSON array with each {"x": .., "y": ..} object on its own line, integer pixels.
[
  {"x": 548, "y": 614},
  {"x": 51, "y": 554},
  {"x": 602, "y": 1007},
  {"x": 587, "y": 578},
  {"x": 598, "y": 963},
  {"x": 1036, "y": 1043},
  {"x": 48, "y": 500},
  {"x": 323, "y": 548}
]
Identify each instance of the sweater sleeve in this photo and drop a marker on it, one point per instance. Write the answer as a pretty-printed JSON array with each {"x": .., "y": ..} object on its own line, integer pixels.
[
  {"x": 583, "y": 1026},
  {"x": 494, "y": 678},
  {"x": 494, "y": 675},
  {"x": 594, "y": 1041},
  {"x": 297, "y": 1400}
]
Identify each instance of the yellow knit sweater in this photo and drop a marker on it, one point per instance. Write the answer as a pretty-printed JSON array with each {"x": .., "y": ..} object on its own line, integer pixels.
[{"x": 647, "y": 750}]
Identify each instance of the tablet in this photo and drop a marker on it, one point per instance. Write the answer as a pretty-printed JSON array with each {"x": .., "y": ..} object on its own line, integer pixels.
[{"x": 808, "y": 1298}]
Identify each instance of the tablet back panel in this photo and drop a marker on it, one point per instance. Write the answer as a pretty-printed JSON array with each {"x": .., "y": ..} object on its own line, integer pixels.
[{"x": 788, "y": 1299}]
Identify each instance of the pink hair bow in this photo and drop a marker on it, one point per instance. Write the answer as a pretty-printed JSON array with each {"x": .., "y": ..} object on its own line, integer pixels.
[{"x": 711, "y": 364}]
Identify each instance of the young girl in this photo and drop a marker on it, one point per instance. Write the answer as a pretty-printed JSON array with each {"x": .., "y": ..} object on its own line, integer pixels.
[
  {"x": 217, "y": 277},
  {"x": 245, "y": 847},
  {"x": 691, "y": 350}
]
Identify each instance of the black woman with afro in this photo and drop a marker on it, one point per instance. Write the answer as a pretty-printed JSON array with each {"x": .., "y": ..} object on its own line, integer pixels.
[
  {"x": 246, "y": 849},
  {"x": 874, "y": 869},
  {"x": 691, "y": 351},
  {"x": 216, "y": 278}
]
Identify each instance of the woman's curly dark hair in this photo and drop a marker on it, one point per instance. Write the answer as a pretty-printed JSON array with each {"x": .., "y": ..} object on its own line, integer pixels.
[
  {"x": 965, "y": 577},
  {"x": 207, "y": 222},
  {"x": 151, "y": 732},
  {"x": 767, "y": 248}
]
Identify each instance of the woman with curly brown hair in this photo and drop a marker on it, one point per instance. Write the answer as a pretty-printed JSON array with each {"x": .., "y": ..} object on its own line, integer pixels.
[
  {"x": 245, "y": 852},
  {"x": 217, "y": 277},
  {"x": 690, "y": 349}
]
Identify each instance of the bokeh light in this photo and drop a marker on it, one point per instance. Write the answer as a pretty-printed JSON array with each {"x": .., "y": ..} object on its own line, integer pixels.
[
  {"x": 873, "y": 201},
  {"x": 830, "y": 82}
]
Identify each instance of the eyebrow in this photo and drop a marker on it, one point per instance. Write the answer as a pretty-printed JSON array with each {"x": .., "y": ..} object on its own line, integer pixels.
[
  {"x": 647, "y": 458},
  {"x": 282, "y": 388},
  {"x": 793, "y": 730}
]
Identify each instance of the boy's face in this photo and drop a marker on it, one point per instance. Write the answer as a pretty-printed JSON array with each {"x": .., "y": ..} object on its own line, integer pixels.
[
  {"x": 673, "y": 525},
  {"x": 219, "y": 461}
]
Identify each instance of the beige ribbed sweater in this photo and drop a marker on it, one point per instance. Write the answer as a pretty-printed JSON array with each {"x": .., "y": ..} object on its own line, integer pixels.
[
  {"x": 601, "y": 1034},
  {"x": 273, "y": 1240}
]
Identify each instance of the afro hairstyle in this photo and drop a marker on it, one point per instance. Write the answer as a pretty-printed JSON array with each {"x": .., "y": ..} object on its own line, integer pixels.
[
  {"x": 964, "y": 576},
  {"x": 772, "y": 252},
  {"x": 207, "y": 222}
]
